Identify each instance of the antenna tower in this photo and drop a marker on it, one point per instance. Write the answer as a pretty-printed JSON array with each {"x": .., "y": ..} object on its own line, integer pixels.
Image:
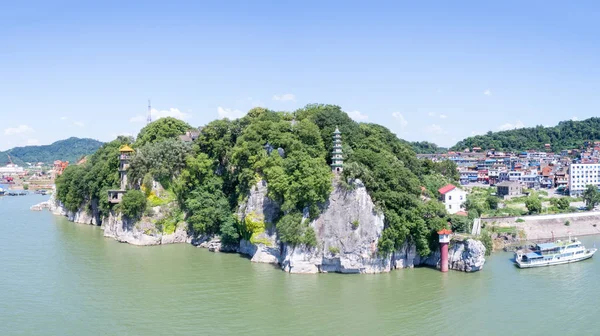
[{"x": 149, "y": 118}]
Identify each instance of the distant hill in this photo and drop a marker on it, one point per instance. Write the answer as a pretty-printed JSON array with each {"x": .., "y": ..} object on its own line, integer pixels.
[
  {"x": 424, "y": 147},
  {"x": 566, "y": 135},
  {"x": 70, "y": 149}
]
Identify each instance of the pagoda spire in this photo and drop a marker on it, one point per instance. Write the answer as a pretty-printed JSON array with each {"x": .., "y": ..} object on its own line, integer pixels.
[{"x": 337, "y": 158}]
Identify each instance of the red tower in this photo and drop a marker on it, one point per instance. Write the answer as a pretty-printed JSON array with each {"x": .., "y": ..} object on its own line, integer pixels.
[{"x": 444, "y": 241}]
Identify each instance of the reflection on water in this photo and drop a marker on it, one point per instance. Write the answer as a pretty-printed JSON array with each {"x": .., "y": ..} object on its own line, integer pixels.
[{"x": 64, "y": 278}]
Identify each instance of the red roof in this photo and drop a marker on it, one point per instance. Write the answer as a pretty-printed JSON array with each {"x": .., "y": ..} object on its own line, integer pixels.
[
  {"x": 446, "y": 189},
  {"x": 462, "y": 213},
  {"x": 444, "y": 232}
]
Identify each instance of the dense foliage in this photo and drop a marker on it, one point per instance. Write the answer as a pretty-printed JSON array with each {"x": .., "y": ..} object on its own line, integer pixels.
[
  {"x": 291, "y": 153},
  {"x": 80, "y": 185},
  {"x": 566, "y": 135},
  {"x": 425, "y": 147},
  {"x": 591, "y": 196},
  {"x": 71, "y": 149},
  {"x": 133, "y": 203},
  {"x": 162, "y": 129}
]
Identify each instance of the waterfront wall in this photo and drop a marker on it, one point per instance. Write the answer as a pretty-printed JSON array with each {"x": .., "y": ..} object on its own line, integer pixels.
[{"x": 543, "y": 227}]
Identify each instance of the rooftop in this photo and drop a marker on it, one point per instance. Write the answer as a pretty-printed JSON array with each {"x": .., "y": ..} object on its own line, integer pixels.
[
  {"x": 125, "y": 149},
  {"x": 446, "y": 188}
]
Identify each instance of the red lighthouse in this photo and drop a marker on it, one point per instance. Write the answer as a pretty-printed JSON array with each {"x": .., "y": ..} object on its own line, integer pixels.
[{"x": 444, "y": 241}]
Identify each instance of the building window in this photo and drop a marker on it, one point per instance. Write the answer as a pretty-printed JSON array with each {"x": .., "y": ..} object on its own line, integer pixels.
[
  {"x": 449, "y": 197},
  {"x": 449, "y": 206}
]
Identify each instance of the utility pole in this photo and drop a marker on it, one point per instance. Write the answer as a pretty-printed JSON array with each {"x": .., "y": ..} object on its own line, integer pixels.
[{"x": 149, "y": 118}]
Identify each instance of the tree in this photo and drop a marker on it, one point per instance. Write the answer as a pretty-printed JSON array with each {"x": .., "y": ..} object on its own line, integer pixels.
[
  {"x": 492, "y": 202},
  {"x": 591, "y": 196},
  {"x": 533, "y": 204},
  {"x": 162, "y": 160},
  {"x": 133, "y": 203},
  {"x": 161, "y": 129},
  {"x": 561, "y": 203}
]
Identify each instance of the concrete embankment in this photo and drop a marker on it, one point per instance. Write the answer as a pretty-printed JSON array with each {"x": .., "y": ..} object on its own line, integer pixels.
[{"x": 547, "y": 226}]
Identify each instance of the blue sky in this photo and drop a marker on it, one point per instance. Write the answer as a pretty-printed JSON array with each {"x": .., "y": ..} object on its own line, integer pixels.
[{"x": 428, "y": 70}]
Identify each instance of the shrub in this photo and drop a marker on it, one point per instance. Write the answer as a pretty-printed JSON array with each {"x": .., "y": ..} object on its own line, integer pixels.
[
  {"x": 133, "y": 204},
  {"x": 355, "y": 224},
  {"x": 520, "y": 220},
  {"x": 334, "y": 250},
  {"x": 567, "y": 223}
]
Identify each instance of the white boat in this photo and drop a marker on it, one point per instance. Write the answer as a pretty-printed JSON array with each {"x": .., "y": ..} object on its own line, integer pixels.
[{"x": 557, "y": 253}]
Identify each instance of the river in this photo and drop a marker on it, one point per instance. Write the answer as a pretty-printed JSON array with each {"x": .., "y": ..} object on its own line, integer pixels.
[{"x": 62, "y": 278}]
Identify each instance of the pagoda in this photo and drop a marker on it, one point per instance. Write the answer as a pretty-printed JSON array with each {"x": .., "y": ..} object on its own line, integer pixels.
[
  {"x": 337, "y": 159},
  {"x": 125, "y": 152}
]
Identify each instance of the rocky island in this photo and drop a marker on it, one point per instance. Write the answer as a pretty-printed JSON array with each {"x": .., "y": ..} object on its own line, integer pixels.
[{"x": 282, "y": 188}]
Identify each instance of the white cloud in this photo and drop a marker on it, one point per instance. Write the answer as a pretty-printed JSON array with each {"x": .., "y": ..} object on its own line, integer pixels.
[
  {"x": 285, "y": 97},
  {"x": 440, "y": 115},
  {"x": 156, "y": 114},
  {"x": 32, "y": 142},
  {"x": 487, "y": 92},
  {"x": 79, "y": 123},
  {"x": 18, "y": 130},
  {"x": 509, "y": 126},
  {"x": 229, "y": 113},
  {"x": 63, "y": 118},
  {"x": 574, "y": 118},
  {"x": 356, "y": 115},
  {"x": 435, "y": 129},
  {"x": 398, "y": 116}
]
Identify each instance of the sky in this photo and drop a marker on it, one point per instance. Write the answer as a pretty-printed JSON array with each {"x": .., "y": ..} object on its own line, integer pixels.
[{"x": 428, "y": 70}]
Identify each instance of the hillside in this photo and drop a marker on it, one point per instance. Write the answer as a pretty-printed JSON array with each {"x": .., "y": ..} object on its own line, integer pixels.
[
  {"x": 566, "y": 135},
  {"x": 70, "y": 149},
  {"x": 425, "y": 147},
  {"x": 207, "y": 181}
]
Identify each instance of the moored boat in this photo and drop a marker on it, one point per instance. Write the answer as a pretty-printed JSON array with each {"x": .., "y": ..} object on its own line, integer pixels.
[{"x": 557, "y": 253}]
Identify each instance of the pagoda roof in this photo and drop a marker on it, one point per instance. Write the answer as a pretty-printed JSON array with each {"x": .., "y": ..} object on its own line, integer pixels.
[
  {"x": 337, "y": 131},
  {"x": 444, "y": 232},
  {"x": 125, "y": 149}
]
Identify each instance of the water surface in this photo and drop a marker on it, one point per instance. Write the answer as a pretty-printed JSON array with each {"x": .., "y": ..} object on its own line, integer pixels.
[{"x": 62, "y": 278}]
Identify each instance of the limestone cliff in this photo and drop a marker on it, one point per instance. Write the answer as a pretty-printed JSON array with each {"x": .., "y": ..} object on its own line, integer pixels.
[
  {"x": 262, "y": 212},
  {"x": 466, "y": 255},
  {"x": 142, "y": 232},
  {"x": 347, "y": 233}
]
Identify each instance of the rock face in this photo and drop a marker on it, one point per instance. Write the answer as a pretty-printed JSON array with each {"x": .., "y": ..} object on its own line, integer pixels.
[
  {"x": 347, "y": 234},
  {"x": 83, "y": 215},
  {"x": 466, "y": 255},
  {"x": 258, "y": 208},
  {"x": 142, "y": 232}
]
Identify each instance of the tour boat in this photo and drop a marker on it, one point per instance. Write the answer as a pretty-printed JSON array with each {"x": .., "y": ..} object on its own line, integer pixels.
[{"x": 559, "y": 252}]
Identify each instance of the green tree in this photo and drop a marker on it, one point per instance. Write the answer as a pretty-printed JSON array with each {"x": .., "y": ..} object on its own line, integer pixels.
[
  {"x": 591, "y": 196},
  {"x": 162, "y": 160},
  {"x": 133, "y": 204},
  {"x": 533, "y": 204},
  {"x": 492, "y": 202},
  {"x": 161, "y": 129}
]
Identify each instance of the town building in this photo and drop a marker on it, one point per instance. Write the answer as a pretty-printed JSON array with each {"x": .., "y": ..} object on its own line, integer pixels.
[
  {"x": 11, "y": 169},
  {"x": 453, "y": 198},
  {"x": 509, "y": 189},
  {"x": 581, "y": 175}
]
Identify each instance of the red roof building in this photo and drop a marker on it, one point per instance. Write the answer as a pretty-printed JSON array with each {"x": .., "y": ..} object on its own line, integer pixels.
[
  {"x": 446, "y": 188},
  {"x": 444, "y": 232}
]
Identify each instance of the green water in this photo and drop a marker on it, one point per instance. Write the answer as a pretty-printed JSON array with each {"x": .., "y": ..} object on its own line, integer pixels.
[{"x": 61, "y": 278}]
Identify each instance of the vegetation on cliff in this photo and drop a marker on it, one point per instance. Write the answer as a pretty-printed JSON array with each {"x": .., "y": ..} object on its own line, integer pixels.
[
  {"x": 291, "y": 152},
  {"x": 71, "y": 149},
  {"x": 566, "y": 135}
]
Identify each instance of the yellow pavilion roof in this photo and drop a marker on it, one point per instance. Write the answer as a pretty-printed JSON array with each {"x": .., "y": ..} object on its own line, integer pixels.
[{"x": 125, "y": 149}]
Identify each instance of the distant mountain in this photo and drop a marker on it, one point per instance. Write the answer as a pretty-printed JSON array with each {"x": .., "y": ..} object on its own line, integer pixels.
[
  {"x": 71, "y": 149},
  {"x": 566, "y": 135},
  {"x": 424, "y": 147}
]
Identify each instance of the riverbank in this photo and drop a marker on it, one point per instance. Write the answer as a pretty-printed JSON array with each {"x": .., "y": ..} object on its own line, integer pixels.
[
  {"x": 542, "y": 227},
  {"x": 341, "y": 247}
]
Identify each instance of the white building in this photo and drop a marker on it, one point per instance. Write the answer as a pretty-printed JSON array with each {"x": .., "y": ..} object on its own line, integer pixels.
[
  {"x": 11, "y": 169},
  {"x": 453, "y": 198},
  {"x": 581, "y": 175}
]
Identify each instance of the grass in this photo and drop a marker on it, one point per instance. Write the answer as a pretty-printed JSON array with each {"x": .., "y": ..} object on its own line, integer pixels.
[
  {"x": 154, "y": 200},
  {"x": 504, "y": 229},
  {"x": 355, "y": 224},
  {"x": 520, "y": 220},
  {"x": 334, "y": 250}
]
